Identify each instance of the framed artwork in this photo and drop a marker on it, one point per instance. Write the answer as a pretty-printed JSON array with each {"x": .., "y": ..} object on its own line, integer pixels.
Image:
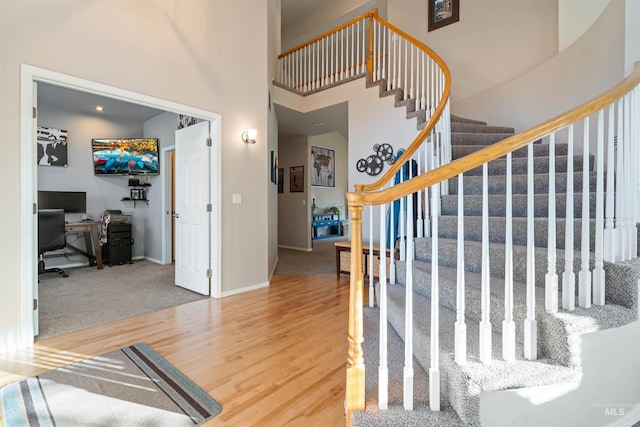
[
  {"x": 323, "y": 167},
  {"x": 52, "y": 147},
  {"x": 442, "y": 13},
  {"x": 280, "y": 180},
  {"x": 296, "y": 179}
]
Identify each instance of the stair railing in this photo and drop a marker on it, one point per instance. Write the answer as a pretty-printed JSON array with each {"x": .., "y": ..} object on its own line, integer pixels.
[{"x": 616, "y": 210}]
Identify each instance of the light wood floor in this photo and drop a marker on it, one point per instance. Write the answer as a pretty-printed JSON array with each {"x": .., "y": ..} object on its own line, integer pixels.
[{"x": 271, "y": 357}]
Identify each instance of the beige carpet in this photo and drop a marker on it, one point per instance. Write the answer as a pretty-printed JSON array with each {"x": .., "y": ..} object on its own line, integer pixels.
[
  {"x": 321, "y": 260},
  {"x": 91, "y": 297}
]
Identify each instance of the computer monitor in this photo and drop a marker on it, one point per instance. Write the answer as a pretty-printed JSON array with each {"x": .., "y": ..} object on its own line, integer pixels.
[{"x": 70, "y": 201}]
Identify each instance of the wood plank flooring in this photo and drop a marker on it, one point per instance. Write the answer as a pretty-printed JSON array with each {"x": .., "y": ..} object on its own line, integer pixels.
[{"x": 271, "y": 357}]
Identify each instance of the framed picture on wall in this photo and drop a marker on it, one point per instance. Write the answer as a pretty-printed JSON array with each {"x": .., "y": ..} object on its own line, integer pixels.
[
  {"x": 323, "y": 167},
  {"x": 442, "y": 13},
  {"x": 52, "y": 146},
  {"x": 296, "y": 179}
]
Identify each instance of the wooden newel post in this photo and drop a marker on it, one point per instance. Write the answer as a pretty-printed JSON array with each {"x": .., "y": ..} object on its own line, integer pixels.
[
  {"x": 354, "y": 399},
  {"x": 372, "y": 14}
]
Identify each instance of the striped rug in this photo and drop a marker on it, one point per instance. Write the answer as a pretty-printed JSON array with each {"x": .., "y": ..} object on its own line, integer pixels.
[{"x": 132, "y": 386}]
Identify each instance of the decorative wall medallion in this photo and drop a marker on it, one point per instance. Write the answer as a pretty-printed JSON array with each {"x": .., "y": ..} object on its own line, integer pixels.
[{"x": 374, "y": 164}]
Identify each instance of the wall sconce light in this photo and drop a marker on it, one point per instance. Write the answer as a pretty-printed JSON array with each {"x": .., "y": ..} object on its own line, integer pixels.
[{"x": 249, "y": 136}]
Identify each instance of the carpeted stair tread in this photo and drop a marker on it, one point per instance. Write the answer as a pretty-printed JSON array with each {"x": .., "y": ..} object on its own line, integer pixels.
[
  {"x": 461, "y": 385},
  {"x": 461, "y": 150},
  {"x": 479, "y": 139},
  {"x": 475, "y": 128},
  {"x": 448, "y": 228},
  {"x": 558, "y": 332},
  {"x": 519, "y": 184},
  {"x": 497, "y": 205},
  {"x": 458, "y": 119},
  {"x": 519, "y": 165}
]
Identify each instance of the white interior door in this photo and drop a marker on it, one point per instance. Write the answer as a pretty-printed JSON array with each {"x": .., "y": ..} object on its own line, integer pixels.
[{"x": 193, "y": 208}]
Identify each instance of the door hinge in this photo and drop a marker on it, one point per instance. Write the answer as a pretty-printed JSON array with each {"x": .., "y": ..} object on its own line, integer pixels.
[
  {"x": 209, "y": 142},
  {"x": 209, "y": 273},
  {"x": 35, "y": 304},
  {"x": 209, "y": 207},
  {"x": 35, "y": 113}
]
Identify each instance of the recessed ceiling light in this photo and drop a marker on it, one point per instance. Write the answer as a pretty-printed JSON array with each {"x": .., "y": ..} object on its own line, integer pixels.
[
  {"x": 319, "y": 123},
  {"x": 99, "y": 108}
]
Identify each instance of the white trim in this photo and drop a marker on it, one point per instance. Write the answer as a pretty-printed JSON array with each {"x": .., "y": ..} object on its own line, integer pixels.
[
  {"x": 245, "y": 289},
  {"x": 295, "y": 248},
  {"x": 30, "y": 74},
  {"x": 165, "y": 203}
]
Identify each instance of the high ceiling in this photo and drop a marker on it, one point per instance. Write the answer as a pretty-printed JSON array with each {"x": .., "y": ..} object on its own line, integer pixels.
[{"x": 290, "y": 123}]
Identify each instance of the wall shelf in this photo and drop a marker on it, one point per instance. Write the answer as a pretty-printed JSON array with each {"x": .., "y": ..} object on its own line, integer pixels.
[{"x": 137, "y": 193}]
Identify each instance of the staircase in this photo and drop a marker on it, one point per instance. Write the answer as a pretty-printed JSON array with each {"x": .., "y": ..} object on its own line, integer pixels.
[{"x": 558, "y": 349}]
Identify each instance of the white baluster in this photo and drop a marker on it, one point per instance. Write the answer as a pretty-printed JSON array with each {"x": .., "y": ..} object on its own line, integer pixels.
[
  {"x": 420, "y": 219},
  {"x": 461, "y": 327},
  {"x": 634, "y": 140},
  {"x": 609, "y": 236},
  {"x": 434, "y": 370},
  {"x": 383, "y": 55},
  {"x": 569, "y": 277},
  {"x": 598, "y": 271},
  {"x": 392, "y": 242},
  {"x": 412, "y": 84},
  {"x": 341, "y": 54},
  {"x": 584, "y": 287},
  {"x": 508, "y": 326},
  {"x": 423, "y": 83},
  {"x": 485, "y": 323},
  {"x": 408, "y": 319},
  {"x": 383, "y": 368},
  {"x": 530, "y": 323},
  {"x": 370, "y": 259},
  {"x": 631, "y": 231},
  {"x": 551, "y": 278},
  {"x": 405, "y": 82},
  {"x": 620, "y": 230}
]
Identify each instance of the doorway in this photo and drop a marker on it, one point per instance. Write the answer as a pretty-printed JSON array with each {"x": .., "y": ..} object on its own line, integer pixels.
[{"x": 30, "y": 76}]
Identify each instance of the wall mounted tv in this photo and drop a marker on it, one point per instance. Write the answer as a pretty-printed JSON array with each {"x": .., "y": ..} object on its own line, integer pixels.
[
  {"x": 70, "y": 201},
  {"x": 125, "y": 156}
]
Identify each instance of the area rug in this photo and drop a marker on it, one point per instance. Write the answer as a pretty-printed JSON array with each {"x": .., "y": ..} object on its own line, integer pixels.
[{"x": 132, "y": 386}]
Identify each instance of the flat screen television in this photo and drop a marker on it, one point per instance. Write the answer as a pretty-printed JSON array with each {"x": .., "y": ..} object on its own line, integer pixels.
[
  {"x": 70, "y": 201},
  {"x": 125, "y": 156}
]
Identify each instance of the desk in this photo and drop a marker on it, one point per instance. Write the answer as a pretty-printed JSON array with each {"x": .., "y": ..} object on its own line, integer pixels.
[
  {"x": 345, "y": 246},
  {"x": 91, "y": 230}
]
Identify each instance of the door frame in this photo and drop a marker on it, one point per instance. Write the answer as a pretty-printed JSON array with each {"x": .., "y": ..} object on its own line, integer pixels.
[
  {"x": 28, "y": 175},
  {"x": 166, "y": 166}
]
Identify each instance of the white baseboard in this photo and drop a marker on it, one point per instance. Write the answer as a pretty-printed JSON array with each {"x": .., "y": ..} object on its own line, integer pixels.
[
  {"x": 295, "y": 248},
  {"x": 245, "y": 289},
  {"x": 153, "y": 260}
]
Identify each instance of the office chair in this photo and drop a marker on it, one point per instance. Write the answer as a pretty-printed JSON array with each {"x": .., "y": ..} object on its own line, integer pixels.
[{"x": 51, "y": 237}]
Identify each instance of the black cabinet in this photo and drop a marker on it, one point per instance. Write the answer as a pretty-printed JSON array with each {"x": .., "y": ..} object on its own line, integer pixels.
[{"x": 118, "y": 249}]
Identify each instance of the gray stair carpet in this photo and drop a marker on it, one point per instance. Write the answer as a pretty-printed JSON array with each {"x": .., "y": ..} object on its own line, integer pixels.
[{"x": 558, "y": 333}]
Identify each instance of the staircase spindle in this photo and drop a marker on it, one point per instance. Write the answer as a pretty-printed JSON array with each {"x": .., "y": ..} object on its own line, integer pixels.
[
  {"x": 584, "y": 286},
  {"x": 598, "y": 271},
  {"x": 609, "y": 252},
  {"x": 632, "y": 232},
  {"x": 508, "y": 326},
  {"x": 634, "y": 141},
  {"x": 485, "y": 323},
  {"x": 383, "y": 367},
  {"x": 420, "y": 219},
  {"x": 392, "y": 242},
  {"x": 569, "y": 277},
  {"x": 551, "y": 278},
  {"x": 412, "y": 83},
  {"x": 405, "y": 87},
  {"x": 408, "y": 318},
  {"x": 620, "y": 229},
  {"x": 370, "y": 259},
  {"x": 434, "y": 369},
  {"x": 530, "y": 323},
  {"x": 460, "y": 349}
]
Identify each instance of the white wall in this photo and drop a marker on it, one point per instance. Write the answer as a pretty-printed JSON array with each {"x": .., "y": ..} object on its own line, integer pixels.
[
  {"x": 575, "y": 17},
  {"x": 585, "y": 69},
  {"x": 294, "y": 209},
  {"x": 195, "y": 55},
  {"x": 495, "y": 40}
]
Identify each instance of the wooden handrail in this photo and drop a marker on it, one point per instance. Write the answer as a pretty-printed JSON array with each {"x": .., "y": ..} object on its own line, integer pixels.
[
  {"x": 501, "y": 148},
  {"x": 431, "y": 123},
  {"x": 370, "y": 14}
]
